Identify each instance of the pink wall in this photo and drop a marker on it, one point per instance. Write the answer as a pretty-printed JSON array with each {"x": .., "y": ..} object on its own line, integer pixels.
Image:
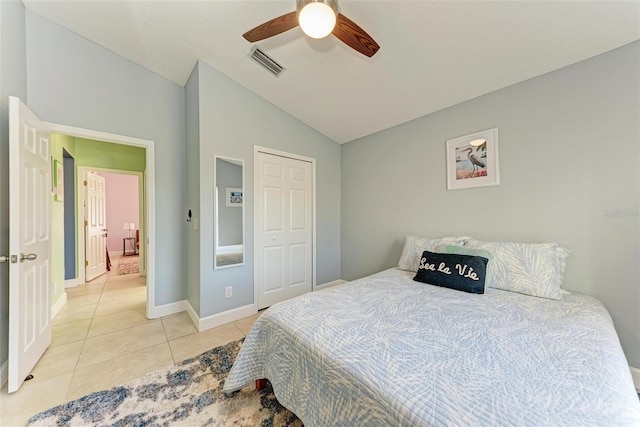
[{"x": 122, "y": 206}]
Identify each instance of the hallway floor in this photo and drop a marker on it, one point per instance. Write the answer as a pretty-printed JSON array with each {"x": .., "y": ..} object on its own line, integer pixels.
[{"x": 101, "y": 338}]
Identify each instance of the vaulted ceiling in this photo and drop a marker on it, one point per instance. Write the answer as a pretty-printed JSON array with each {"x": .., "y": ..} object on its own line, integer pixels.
[{"x": 433, "y": 54}]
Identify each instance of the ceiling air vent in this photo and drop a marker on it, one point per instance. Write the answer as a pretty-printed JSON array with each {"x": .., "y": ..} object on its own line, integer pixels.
[{"x": 266, "y": 61}]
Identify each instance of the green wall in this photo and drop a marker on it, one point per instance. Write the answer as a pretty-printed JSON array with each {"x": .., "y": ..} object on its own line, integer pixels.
[{"x": 98, "y": 154}]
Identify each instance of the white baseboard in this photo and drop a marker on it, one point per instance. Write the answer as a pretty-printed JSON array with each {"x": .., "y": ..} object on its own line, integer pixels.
[
  {"x": 330, "y": 284},
  {"x": 635, "y": 374},
  {"x": 4, "y": 374},
  {"x": 202, "y": 324},
  {"x": 223, "y": 318},
  {"x": 72, "y": 283},
  {"x": 195, "y": 319},
  {"x": 167, "y": 309},
  {"x": 57, "y": 306}
]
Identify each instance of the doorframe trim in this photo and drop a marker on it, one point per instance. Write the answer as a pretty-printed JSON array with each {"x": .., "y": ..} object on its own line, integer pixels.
[
  {"x": 149, "y": 184},
  {"x": 259, "y": 149}
]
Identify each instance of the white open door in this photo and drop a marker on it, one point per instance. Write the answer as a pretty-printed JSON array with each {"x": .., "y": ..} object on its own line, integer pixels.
[
  {"x": 29, "y": 241},
  {"x": 95, "y": 227},
  {"x": 284, "y": 235}
]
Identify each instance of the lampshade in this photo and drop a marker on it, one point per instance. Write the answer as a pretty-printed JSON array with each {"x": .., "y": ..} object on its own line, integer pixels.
[
  {"x": 129, "y": 226},
  {"x": 478, "y": 142},
  {"x": 317, "y": 17}
]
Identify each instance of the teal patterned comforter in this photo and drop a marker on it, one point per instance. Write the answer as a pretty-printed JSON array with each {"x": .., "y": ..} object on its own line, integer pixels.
[{"x": 387, "y": 351}]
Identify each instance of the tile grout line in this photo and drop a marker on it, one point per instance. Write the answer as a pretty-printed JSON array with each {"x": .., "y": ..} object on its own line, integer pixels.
[
  {"x": 84, "y": 342},
  {"x": 166, "y": 337}
]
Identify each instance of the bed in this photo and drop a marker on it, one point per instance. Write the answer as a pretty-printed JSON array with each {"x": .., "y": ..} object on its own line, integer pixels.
[{"x": 386, "y": 350}]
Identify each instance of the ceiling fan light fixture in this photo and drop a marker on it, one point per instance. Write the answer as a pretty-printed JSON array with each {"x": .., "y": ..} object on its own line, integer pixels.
[{"x": 317, "y": 18}]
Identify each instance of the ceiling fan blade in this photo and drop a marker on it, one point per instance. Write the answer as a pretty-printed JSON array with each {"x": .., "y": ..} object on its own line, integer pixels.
[
  {"x": 351, "y": 34},
  {"x": 271, "y": 28}
]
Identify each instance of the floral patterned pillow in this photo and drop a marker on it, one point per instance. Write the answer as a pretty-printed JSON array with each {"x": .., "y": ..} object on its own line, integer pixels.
[
  {"x": 535, "y": 269},
  {"x": 415, "y": 246}
]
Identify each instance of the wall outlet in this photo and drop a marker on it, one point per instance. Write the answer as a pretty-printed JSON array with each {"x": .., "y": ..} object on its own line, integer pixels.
[{"x": 228, "y": 292}]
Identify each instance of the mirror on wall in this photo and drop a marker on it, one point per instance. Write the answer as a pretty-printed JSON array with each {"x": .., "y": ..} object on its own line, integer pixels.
[{"x": 229, "y": 212}]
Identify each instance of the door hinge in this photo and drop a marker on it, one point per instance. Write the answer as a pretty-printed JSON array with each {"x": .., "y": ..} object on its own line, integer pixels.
[
  {"x": 86, "y": 263},
  {"x": 85, "y": 182},
  {"x": 86, "y": 222}
]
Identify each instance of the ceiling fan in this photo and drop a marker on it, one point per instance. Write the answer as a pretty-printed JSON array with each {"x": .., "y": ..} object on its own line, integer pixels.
[{"x": 318, "y": 19}]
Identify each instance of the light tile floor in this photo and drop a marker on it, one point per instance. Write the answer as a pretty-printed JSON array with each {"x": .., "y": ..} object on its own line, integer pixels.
[{"x": 101, "y": 338}]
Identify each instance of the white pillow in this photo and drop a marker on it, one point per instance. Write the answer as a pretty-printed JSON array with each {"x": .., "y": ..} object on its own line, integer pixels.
[
  {"x": 414, "y": 246},
  {"x": 535, "y": 269}
]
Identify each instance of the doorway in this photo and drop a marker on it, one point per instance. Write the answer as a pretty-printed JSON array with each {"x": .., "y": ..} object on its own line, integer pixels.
[
  {"x": 123, "y": 223},
  {"x": 38, "y": 175},
  {"x": 123, "y": 213},
  {"x": 147, "y": 204}
]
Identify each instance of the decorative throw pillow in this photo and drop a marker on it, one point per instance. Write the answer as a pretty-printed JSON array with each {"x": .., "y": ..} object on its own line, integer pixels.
[
  {"x": 414, "y": 246},
  {"x": 460, "y": 272},
  {"x": 535, "y": 269}
]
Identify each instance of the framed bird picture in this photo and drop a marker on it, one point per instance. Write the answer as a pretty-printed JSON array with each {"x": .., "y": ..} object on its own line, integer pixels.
[{"x": 472, "y": 160}]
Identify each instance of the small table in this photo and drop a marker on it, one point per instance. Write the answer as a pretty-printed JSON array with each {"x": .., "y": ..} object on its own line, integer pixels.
[{"x": 132, "y": 241}]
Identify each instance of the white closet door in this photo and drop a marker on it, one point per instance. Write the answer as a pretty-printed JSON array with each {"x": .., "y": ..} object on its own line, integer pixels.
[{"x": 284, "y": 228}]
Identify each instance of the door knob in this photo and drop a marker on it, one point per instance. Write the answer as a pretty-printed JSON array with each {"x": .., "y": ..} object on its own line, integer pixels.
[{"x": 28, "y": 257}]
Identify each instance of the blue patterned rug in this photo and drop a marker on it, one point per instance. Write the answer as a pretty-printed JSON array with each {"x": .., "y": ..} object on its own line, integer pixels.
[{"x": 188, "y": 394}]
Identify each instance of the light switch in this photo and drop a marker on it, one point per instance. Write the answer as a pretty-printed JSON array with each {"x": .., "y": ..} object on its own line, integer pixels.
[{"x": 195, "y": 223}]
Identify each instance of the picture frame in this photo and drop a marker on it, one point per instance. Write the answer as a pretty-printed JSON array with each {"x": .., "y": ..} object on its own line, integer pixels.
[
  {"x": 58, "y": 181},
  {"x": 234, "y": 197},
  {"x": 473, "y": 161}
]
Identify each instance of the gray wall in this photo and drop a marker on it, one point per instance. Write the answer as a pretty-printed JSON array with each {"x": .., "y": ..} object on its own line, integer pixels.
[
  {"x": 229, "y": 218},
  {"x": 569, "y": 166},
  {"x": 233, "y": 120},
  {"x": 75, "y": 82},
  {"x": 13, "y": 81},
  {"x": 192, "y": 259}
]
